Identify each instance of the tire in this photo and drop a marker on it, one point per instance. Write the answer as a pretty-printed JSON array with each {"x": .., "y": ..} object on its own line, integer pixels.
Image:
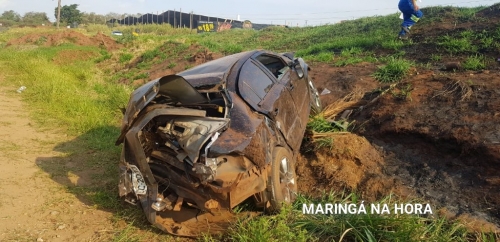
[
  {"x": 283, "y": 180},
  {"x": 316, "y": 107}
]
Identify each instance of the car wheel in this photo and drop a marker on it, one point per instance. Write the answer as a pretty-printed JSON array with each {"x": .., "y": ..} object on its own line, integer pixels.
[
  {"x": 315, "y": 100},
  {"x": 283, "y": 180}
]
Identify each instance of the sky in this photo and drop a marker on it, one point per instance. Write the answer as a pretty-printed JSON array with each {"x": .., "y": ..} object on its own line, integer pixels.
[{"x": 290, "y": 12}]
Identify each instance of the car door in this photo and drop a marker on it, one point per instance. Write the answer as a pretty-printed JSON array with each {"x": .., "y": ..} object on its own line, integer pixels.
[
  {"x": 279, "y": 101},
  {"x": 298, "y": 89}
]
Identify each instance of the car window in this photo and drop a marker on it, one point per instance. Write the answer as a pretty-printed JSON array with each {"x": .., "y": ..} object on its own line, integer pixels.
[
  {"x": 274, "y": 64},
  {"x": 256, "y": 80}
]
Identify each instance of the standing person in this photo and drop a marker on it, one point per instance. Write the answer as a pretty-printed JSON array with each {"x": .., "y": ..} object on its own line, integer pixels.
[{"x": 411, "y": 15}]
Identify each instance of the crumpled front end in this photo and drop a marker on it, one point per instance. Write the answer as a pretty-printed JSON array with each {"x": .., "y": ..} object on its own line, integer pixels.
[{"x": 166, "y": 165}]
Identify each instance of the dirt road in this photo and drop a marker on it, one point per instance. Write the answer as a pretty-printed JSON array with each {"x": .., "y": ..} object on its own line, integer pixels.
[{"x": 33, "y": 207}]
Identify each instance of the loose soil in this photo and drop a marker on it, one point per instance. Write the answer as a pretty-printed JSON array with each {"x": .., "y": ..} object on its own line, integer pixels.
[
  {"x": 67, "y": 36},
  {"x": 441, "y": 144}
]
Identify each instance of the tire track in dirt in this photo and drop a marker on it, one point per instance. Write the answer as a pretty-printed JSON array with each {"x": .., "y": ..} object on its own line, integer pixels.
[{"x": 32, "y": 205}]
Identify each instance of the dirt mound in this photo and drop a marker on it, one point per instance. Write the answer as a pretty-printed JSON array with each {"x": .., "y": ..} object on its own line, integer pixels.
[
  {"x": 339, "y": 81},
  {"x": 491, "y": 13},
  {"x": 442, "y": 141},
  {"x": 202, "y": 57},
  {"x": 191, "y": 56},
  {"x": 352, "y": 164},
  {"x": 446, "y": 140},
  {"x": 67, "y": 36}
]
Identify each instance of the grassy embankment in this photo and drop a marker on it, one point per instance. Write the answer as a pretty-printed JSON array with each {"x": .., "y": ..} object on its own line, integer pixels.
[{"x": 82, "y": 100}]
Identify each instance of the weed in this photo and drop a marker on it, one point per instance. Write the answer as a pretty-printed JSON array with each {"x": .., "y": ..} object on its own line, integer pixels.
[
  {"x": 474, "y": 63},
  {"x": 270, "y": 228},
  {"x": 351, "y": 52},
  {"x": 319, "y": 124},
  {"x": 323, "y": 143},
  {"x": 436, "y": 57},
  {"x": 211, "y": 45},
  {"x": 467, "y": 14},
  {"x": 349, "y": 61},
  {"x": 467, "y": 34},
  {"x": 143, "y": 75},
  {"x": 393, "y": 44},
  {"x": 455, "y": 46},
  {"x": 162, "y": 56},
  {"x": 372, "y": 226},
  {"x": 171, "y": 65},
  {"x": 126, "y": 38},
  {"x": 487, "y": 42},
  {"x": 125, "y": 57},
  {"x": 496, "y": 33},
  {"x": 232, "y": 49},
  {"x": 128, "y": 234},
  {"x": 41, "y": 40},
  {"x": 104, "y": 56},
  {"x": 150, "y": 54},
  {"x": 323, "y": 57},
  {"x": 404, "y": 93},
  {"x": 393, "y": 71}
]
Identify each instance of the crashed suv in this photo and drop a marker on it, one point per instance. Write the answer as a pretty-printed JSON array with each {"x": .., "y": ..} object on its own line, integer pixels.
[{"x": 198, "y": 143}]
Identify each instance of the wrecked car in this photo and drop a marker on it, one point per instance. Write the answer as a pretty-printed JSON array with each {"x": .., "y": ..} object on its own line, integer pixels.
[{"x": 199, "y": 143}]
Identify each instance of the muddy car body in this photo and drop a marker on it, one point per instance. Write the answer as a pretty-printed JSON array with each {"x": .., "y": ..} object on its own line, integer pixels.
[{"x": 201, "y": 142}]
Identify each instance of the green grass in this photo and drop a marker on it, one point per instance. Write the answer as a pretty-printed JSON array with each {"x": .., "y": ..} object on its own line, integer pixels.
[
  {"x": 456, "y": 45},
  {"x": 374, "y": 227},
  {"x": 269, "y": 228},
  {"x": 395, "y": 70},
  {"x": 291, "y": 224},
  {"x": 436, "y": 57},
  {"x": 320, "y": 125},
  {"x": 125, "y": 57},
  {"x": 75, "y": 97},
  {"x": 474, "y": 63},
  {"x": 171, "y": 65}
]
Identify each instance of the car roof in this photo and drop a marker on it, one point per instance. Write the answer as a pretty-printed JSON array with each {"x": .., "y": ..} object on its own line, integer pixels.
[
  {"x": 219, "y": 65},
  {"x": 212, "y": 72}
]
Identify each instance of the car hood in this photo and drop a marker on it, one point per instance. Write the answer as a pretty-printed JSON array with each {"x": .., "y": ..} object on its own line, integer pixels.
[{"x": 172, "y": 86}]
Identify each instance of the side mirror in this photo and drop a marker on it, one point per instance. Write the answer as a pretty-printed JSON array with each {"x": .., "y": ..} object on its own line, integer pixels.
[{"x": 300, "y": 67}]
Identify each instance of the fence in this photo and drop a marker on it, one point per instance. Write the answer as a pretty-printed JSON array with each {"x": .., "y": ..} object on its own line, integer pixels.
[{"x": 178, "y": 19}]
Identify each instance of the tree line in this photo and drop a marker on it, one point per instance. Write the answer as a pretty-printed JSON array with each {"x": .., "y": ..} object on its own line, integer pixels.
[{"x": 69, "y": 14}]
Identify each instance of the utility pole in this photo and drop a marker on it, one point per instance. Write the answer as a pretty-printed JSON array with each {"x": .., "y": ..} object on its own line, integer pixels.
[{"x": 58, "y": 12}]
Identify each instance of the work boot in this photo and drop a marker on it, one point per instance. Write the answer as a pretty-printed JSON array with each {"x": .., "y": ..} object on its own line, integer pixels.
[
  {"x": 406, "y": 29},
  {"x": 403, "y": 37}
]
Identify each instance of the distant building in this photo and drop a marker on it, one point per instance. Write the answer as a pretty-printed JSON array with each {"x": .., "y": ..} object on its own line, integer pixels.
[{"x": 185, "y": 20}]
